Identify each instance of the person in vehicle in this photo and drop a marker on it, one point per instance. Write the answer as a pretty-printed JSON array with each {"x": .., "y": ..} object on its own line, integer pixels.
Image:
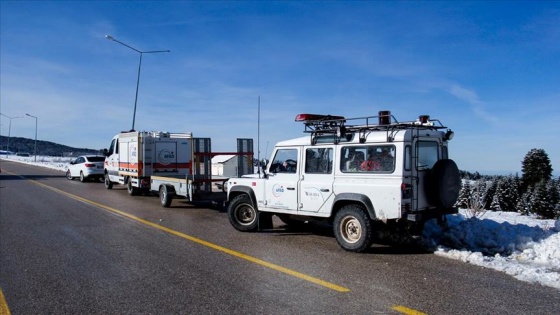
[
  {"x": 355, "y": 160},
  {"x": 371, "y": 164}
]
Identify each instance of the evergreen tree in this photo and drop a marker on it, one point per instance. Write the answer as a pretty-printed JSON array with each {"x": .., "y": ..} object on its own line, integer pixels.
[
  {"x": 540, "y": 202},
  {"x": 554, "y": 198},
  {"x": 488, "y": 197},
  {"x": 524, "y": 203},
  {"x": 535, "y": 168},
  {"x": 496, "y": 202},
  {"x": 509, "y": 196},
  {"x": 464, "y": 195}
]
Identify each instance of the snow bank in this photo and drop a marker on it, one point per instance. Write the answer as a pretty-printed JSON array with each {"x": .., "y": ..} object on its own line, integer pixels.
[{"x": 521, "y": 246}]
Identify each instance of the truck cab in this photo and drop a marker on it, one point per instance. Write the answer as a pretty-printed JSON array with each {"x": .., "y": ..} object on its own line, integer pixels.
[{"x": 355, "y": 174}]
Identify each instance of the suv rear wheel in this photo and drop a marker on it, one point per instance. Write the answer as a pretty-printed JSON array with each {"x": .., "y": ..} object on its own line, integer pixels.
[{"x": 353, "y": 228}]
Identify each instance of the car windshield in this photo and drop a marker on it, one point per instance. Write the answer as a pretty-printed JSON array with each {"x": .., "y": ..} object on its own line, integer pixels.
[{"x": 96, "y": 158}]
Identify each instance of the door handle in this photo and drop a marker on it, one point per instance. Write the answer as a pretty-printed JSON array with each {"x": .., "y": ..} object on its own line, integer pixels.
[
  {"x": 324, "y": 190},
  {"x": 290, "y": 188}
]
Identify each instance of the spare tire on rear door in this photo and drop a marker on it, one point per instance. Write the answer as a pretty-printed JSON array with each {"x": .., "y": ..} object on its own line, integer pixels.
[{"x": 444, "y": 184}]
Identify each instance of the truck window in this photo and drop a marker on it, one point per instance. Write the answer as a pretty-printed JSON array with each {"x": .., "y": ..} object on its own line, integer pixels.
[
  {"x": 112, "y": 147},
  {"x": 318, "y": 160},
  {"x": 285, "y": 161},
  {"x": 368, "y": 158},
  {"x": 427, "y": 154}
]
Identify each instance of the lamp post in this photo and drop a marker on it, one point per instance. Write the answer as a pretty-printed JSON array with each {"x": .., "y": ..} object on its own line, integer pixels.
[
  {"x": 36, "y": 121},
  {"x": 9, "y": 131},
  {"x": 109, "y": 37}
]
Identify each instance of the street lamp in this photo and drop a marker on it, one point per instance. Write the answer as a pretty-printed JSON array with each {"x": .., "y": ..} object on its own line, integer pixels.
[
  {"x": 109, "y": 37},
  {"x": 9, "y": 131},
  {"x": 36, "y": 121}
]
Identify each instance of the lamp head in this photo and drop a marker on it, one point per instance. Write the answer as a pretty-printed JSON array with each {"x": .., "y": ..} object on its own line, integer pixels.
[{"x": 109, "y": 37}]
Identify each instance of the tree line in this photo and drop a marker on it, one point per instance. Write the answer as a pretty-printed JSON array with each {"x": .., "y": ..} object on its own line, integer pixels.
[{"x": 536, "y": 192}]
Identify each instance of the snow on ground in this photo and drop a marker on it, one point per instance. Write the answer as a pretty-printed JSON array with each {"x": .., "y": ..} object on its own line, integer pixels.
[{"x": 524, "y": 247}]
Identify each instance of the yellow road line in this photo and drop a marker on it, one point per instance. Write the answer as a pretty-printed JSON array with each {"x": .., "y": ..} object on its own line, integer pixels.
[
  {"x": 406, "y": 310},
  {"x": 4, "y": 310},
  {"x": 203, "y": 242}
]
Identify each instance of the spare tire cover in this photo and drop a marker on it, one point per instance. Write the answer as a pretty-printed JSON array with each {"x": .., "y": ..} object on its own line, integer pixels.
[{"x": 444, "y": 184}]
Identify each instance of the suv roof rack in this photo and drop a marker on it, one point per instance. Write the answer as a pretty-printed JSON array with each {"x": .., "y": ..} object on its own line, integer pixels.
[{"x": 337, "y": 126}]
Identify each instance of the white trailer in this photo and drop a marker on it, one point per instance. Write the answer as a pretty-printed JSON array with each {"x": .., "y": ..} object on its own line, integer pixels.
[{"x": 169, "y": 164}]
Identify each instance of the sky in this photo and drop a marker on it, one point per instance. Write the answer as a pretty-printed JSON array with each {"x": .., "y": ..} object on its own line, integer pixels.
[
  {"x": 523, "y": 247},
  {"x": 488, "y": 70}
]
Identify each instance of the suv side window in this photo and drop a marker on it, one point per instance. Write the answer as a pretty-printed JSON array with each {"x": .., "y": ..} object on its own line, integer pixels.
[
  {"x": 318, "y": 160},
  {"x": 285, "y": 161},
  {"x": 368, "y": 158}
]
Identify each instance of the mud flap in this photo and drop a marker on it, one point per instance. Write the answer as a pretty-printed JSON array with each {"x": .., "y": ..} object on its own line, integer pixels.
[{"x": 265, "y": 221}]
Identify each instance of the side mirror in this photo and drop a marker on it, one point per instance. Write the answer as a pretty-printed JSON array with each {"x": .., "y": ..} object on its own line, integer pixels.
[
  {"x": 264, "y": 163},
  {"x": 105, "y": 152}
]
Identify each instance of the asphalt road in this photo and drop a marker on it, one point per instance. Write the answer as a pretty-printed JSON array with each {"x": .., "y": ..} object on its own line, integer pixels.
[{"x": 68, "y": 247}]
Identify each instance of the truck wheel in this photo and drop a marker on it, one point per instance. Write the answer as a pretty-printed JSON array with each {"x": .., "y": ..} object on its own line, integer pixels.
[
  {"x": 445, "y": 184},
  {"x": 69, "y": 175},
  {"x": 242, "y": 214},
  {"x": 108, "y": 183},
  {"x": 133, "y": 191},
  {"x": 353, "y": 229},
  {"x": 82, "y": 177},
  {"x": 164, "y": 196}
]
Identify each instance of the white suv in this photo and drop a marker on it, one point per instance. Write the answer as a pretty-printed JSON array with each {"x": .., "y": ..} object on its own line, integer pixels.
[{"x": 355, "y": 173}]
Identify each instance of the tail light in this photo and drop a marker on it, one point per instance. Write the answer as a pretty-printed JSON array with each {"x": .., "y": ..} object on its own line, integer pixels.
[
  {"x": 406, "y": 190},
  {"x": 89, "y": 165}
]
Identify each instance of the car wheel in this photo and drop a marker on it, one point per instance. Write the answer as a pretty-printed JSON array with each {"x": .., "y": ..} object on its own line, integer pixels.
[
  {"x": 242, "y": 214},
  {"x": 165, "y": 196},
  {"x": 82, "y": 177},
  {"x": 133, "y": 191},
  {"x": 108, "y": 183},
  {"x": 353, "y": 228},
  {"x": 69, "y": 175}
]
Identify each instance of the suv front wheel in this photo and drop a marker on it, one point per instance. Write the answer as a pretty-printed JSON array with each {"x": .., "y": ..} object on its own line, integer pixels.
[
  {"x": 242, "y": 214},
  {"x": 353, "y": 228}
]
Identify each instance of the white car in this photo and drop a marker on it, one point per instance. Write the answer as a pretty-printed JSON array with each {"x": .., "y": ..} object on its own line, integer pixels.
[{"x": 86, "y": 167}]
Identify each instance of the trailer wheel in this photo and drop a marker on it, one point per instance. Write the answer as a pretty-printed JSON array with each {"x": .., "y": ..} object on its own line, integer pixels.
[
  {"x": 133, "y": 191},
  {"x": 353, "y": 229},
  {"x": 108, "y": 183},
  {"x": 242, "y": 214},
  {"x": 165, "y": 196}
]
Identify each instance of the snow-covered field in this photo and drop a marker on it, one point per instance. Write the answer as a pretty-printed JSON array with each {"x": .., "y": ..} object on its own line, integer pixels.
[{"x": 523, "y": 247}]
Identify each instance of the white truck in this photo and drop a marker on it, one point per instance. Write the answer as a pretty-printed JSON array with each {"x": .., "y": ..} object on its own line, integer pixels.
[
  {"x": 360, "y": 175},
  {"x": 170, "y": 164}
]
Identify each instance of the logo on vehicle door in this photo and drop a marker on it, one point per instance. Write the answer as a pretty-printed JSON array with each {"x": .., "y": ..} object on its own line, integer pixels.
[
  {"x": 313, "y": 194},
  {"x": 166, "y": 157},
  {"x": 277, "y": 190}
]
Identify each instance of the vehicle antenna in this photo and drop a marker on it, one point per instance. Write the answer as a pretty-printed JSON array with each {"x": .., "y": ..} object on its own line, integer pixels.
[{"x": 259, "y": 137}]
